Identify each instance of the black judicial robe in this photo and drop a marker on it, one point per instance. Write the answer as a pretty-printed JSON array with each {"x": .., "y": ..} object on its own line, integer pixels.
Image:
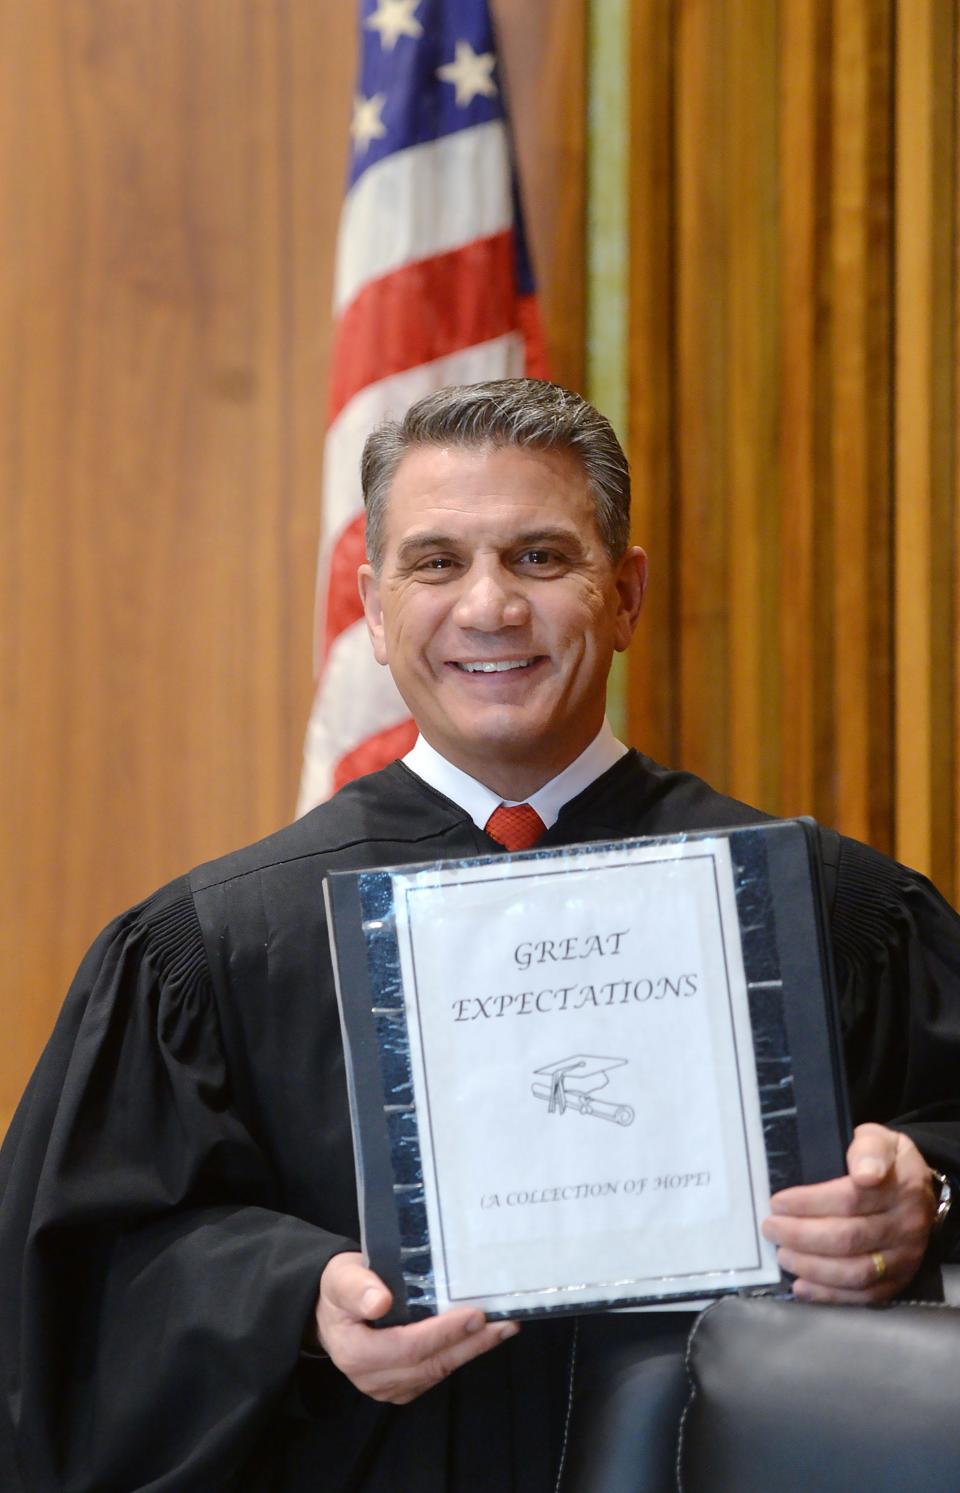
[{"x": 180, "y": 1169}]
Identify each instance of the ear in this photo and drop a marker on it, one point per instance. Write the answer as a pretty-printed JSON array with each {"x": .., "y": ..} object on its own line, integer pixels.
[
  {"x": 631, "y": 585},
  {"x": 372, "y": 610}
]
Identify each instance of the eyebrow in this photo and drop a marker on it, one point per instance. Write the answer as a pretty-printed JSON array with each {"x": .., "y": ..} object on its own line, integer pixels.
[{"x": 416, "y": 544}]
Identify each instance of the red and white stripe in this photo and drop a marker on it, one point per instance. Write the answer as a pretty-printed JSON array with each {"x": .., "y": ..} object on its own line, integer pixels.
[{"x": 424, "y": 296}]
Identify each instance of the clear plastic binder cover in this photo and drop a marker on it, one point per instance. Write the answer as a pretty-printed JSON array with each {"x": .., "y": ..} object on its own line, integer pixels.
[{"x": 587, "y": 1088}]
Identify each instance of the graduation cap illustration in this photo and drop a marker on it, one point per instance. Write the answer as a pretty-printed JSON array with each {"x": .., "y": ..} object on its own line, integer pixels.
[{"x": 575, "y": 1083}]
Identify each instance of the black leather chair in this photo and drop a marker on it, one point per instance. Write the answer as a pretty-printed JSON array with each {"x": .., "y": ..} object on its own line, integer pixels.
[{"x": 794, "y": 1398}]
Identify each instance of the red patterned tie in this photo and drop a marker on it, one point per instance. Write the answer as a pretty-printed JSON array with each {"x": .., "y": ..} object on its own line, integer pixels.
[{"x": 517, "y": 828}]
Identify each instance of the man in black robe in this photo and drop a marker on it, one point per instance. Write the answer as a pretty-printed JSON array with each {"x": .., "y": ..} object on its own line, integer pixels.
[{"x": 183, "y": 1305}]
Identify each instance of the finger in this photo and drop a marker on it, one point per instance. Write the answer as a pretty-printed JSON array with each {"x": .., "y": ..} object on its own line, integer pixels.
[
  {"x": 835, "y": 1237},
  {"x": 405, "y": 1365},
  {"x": 810, "y": 1291},
  {"x": 401, "y": 1350},
  {"x": 440, "y": 1365},
  {"x": 418, "y": 1341},
  {"x": 872, "y": 1155},
  {"x": 855, "y": 1273},
  {"x": 350, "y": 1288},
  {"x": 838, "y": 1198},
  {"x": 905, "y": 1228}
]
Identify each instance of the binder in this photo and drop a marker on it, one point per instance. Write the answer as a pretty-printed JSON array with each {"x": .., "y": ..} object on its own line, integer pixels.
[{"x": 576, "y": 1075}]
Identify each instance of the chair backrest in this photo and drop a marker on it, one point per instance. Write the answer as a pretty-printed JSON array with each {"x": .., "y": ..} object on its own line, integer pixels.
[{"x": 788, "y": 1398}]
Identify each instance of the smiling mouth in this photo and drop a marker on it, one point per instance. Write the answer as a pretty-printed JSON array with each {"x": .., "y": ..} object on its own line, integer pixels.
[{"x": 494, "y": 666}]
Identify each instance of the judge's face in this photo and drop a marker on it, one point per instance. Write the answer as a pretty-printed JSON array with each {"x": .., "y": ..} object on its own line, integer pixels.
[{"x": 498, "y": 609}]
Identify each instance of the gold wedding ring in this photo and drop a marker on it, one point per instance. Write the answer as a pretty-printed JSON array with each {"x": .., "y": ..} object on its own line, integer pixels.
[{"x": 879, "y": 1263}]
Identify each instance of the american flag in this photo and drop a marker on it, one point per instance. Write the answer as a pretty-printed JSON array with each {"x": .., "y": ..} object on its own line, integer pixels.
[{"x": 432, "y": 287}]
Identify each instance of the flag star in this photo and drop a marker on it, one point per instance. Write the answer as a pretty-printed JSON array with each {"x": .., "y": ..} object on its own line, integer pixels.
[
  {"x": 393, "y": 19},
  {"x": 471, "y": 73},
  {"x": 366, "y": 124}
]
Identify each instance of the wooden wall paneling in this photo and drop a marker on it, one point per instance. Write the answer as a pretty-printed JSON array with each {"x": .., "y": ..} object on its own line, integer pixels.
[
  {"x": 606, "y": 382},
  {"x": 945, "y": 532},
  {"x": 315, "y": 160},
  {"x": 543, "y": 47},
  {"x": 861, "y": 461},
  {"x": 33, "y": 250},
  {"x": 752, "y": 466},
  {"x": 955, "y": 590},
  {"x": 805, "y": 607},
  {"x": 159, "y": 473},
  {"x": 879, "y": 218},
  {"x": 607, "y": 271},
  {"x": 702, "y": 388},
  {"x": 172, "y": 179},
  {"x": 925, "y": 457},
  {"x": 652, "y": 694}
]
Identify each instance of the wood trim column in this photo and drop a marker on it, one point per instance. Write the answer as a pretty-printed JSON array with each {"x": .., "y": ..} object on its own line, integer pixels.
[
  {"x": 653, "y": 658},
  {"x": 925, "y": 532}
]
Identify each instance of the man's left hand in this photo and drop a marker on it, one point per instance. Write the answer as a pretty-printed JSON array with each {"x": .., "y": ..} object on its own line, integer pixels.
[{"x": 858, "y": 1238}]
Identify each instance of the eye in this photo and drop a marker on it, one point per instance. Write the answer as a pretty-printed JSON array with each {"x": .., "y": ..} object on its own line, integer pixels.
[
  {"x": 540, "y": 560},
  {"x": 435, "y": 565}
]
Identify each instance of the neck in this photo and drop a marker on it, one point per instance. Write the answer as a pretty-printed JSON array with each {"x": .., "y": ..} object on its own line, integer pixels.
[
  {"x": 513, "y": 781},
  {"x": 513, "y": 784}
]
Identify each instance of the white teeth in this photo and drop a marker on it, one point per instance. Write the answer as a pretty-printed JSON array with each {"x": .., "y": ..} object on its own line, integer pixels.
[{"x": 496, "y": 668}]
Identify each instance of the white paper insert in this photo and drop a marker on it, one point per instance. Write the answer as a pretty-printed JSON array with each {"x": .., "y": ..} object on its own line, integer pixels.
[{"x": 584, "y": 1076}]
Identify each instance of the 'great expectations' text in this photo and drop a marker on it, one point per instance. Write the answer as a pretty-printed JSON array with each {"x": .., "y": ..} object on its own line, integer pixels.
[{"x": 575, "y": 997}]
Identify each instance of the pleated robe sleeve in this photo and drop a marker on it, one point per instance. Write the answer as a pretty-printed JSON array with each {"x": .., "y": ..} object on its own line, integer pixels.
[
  {"x": 897, "y": 952},
  {"x": 153, "y": 1298}
]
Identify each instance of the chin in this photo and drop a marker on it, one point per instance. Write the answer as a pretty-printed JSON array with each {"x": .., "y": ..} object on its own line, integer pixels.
[{"x": 509, "y": 742}]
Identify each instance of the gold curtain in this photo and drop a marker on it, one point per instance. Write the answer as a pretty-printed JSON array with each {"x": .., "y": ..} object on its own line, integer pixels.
[{"x": 793, "y": 353}]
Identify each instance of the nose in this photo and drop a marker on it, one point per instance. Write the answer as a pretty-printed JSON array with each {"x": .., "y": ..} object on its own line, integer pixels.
[{"x": 490, "y": 599}]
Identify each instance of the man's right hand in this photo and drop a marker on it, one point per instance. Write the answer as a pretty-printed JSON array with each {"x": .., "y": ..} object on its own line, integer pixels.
[{"x": 395, "y": 1364}]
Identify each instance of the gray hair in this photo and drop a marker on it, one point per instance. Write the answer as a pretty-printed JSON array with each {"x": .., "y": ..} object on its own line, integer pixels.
[{"x": 525, "y": 412}]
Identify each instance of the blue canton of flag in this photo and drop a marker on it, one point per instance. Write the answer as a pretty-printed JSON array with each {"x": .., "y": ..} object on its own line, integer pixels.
[{"x": 398, "y": 83}]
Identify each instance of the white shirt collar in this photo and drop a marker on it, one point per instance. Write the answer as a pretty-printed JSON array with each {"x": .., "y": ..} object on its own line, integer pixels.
[{"x": 480, "y": 801}]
